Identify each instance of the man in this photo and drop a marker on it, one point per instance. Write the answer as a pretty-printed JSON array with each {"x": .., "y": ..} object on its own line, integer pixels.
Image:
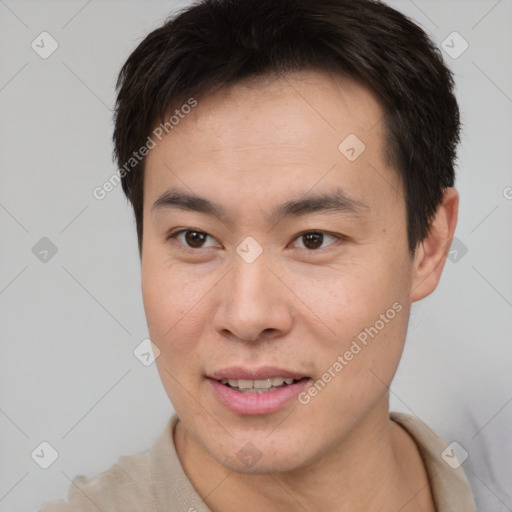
[{"x": 291, "y": 169}]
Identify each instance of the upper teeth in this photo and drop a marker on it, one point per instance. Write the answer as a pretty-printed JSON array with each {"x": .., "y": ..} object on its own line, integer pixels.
[{"x": 257, "y": 384}]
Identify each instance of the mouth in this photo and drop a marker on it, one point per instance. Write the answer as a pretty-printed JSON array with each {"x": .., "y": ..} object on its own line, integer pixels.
[
  {"x": 263, "y": 390},
  {"x": 260, "y": 385}
]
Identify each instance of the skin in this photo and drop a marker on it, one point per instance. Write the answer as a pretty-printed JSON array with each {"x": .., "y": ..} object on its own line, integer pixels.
[{"x": 248, "y": 148}]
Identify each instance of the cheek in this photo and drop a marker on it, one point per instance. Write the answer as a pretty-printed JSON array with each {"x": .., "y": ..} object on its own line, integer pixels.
[
  {"x": 170, "y": 297},
  {"x": 348, "y": 297},
  {"x": 365, "y": 308},
  {"x": 170, "y": 301}
]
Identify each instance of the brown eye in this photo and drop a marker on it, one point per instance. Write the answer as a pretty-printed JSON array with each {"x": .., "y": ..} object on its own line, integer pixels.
[
  {"x": 313, "y": 240},
  {"x": 195, "y": 238},
  {"x": 192, "y": 238}
]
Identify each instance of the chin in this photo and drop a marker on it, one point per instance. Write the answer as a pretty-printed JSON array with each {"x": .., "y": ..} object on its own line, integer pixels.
[
  {"x": 271, "y": 463},
  {"x": 260, "y": 454}
]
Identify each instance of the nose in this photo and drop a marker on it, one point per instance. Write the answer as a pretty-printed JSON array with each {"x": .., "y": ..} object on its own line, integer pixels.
[{"x": 254, "y": 303}]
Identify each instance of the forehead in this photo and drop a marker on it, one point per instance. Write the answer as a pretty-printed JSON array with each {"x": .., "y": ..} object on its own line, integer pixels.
[
  {"x": 289, "y": 131},
  {"x": 283, "y": 113}
]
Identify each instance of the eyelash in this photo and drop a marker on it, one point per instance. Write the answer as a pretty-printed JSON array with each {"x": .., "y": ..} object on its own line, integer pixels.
[{"x": 175, "y": 234}]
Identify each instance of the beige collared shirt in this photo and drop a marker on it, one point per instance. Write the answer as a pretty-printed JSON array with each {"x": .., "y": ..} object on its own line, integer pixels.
[{"x": 154, "y": 481}]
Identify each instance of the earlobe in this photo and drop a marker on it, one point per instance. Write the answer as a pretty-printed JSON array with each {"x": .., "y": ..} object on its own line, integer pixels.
[{"x": 430, "y": 256}]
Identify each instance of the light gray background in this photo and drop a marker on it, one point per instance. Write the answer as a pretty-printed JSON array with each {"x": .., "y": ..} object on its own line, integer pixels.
[{"x": 69, "y": 326}]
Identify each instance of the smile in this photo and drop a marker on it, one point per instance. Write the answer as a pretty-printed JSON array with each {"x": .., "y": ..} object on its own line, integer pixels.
[{"x": 259, "y": 385}]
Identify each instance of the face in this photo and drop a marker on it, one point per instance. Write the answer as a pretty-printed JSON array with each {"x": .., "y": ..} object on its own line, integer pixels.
[{"x": 291, "y": 262}]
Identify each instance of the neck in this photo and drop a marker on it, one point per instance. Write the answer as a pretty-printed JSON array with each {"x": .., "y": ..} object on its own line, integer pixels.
[{"x": 376, "y": 466}]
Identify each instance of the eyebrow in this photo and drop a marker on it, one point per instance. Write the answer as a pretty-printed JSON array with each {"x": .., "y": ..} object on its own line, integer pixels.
[{"x": 335, "y": 202}]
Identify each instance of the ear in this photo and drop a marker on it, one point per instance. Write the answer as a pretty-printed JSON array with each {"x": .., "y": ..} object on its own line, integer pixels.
[{"x": 431, "y": 253}]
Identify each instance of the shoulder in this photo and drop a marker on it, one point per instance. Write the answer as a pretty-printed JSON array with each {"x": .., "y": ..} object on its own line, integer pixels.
[
  {"x": 124, "y": 487},
  {"x": 450, "y": 487}
]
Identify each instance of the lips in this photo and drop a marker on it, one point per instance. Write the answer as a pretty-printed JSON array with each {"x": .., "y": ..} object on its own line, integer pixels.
[
  {"x": 255, "y": 391},
  {"x": 250, "y": 402},
  {"x": 262, "y": 373}
]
